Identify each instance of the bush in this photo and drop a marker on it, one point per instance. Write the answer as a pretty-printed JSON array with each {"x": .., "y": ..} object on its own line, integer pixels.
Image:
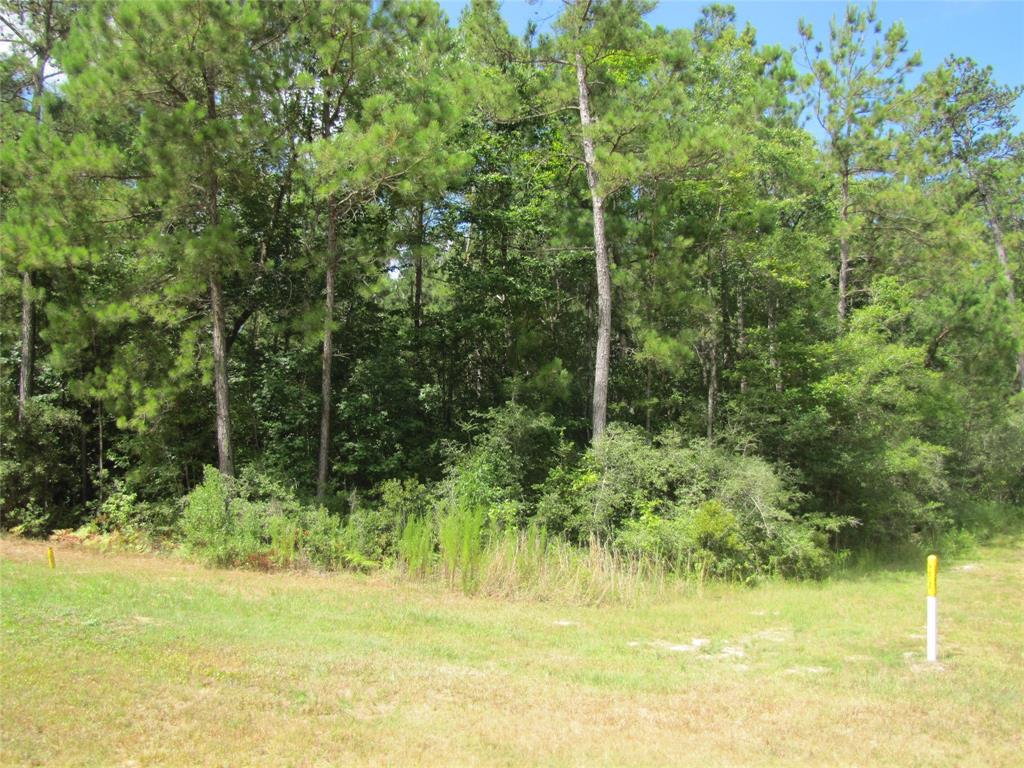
[
  {"x": 256, "y": 521},
  {"x": 208, "y": 524},
  {"x": 284, "y": 540},
  {"x": 694, "y": 509},
  {"x": 123, "y": 513},
  {"x": 990, "y": 518},
  {"x": 40, "y": 471},
  {"x": 511, "y": 453},
  {"x": 373, "y": 531},
  {"x": 705, "y": 541},
  {"x": 28, "y": 520},
  {"x": 531, "y": 563},
  {"x": 324, "y": 544}
]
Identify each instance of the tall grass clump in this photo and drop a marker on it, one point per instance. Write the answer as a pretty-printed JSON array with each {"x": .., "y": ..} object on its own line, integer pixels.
[
  {"x": 532, "y": 564},
  {"x": 416, "y": 546},
  {"x": 461, "y": 543}
]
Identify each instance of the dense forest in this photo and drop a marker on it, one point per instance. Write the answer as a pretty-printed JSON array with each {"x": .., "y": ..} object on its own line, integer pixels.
[{"x": 352, "y": 282}]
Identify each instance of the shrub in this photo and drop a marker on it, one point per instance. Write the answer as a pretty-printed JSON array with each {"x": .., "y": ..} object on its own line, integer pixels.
[
  {"x": 251, "y": 521},
  {"x": 40, "y": 469},
  {"x": 705, "y": 541},
  {"x": 123, "y": 513},
  {"x": 324, "y": 543},
  {"x": 512, "y": 451},
  {"x": 696, "y": 508},
  {"x": 28, "y": 520},
  {"x": 373, "y": 531},
  {"x": 402, "y": 500},
  {"x": 989, "y": 518},
  {"x": 370, "y": 533},
  {"x": 208, "y": 524}
]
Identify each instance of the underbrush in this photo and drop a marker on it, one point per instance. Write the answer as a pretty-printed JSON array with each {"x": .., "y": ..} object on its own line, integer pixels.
[
  {"x": 255, "y": 522},
  {"x": 519, "y": 513}
]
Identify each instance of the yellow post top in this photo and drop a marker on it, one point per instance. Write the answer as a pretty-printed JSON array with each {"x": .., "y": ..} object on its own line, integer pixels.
[
  {"x": 49, "y": 556},
  {"x": 933, "y": 575}
]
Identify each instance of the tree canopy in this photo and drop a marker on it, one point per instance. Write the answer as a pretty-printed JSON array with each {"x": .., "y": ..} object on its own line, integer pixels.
[{"x": 344, "y": 245}]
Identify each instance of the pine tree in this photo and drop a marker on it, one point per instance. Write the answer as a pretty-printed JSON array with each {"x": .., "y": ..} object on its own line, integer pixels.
[
  {"x": 966, "y": 122},
  {"x": 386, "y": 85},
  {"x": 33, "y": 28},
  {"x": 850, "y": 91},
  {"x": 193, "y": 72}
]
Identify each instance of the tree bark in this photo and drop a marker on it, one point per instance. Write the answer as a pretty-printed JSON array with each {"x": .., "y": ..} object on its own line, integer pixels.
[
  {"x": 417, "y": 299},
  {"x": 328, "y": 349},
  {"x": 225, "y": 457},
  {"x": 741, "y": 336},
  {"x": 773, "y": 344},
  {"x": 602, "y": 357},
  {"x": 712, "y": 388},
  {"x": 28, "y": 350},
  {"x": 27, "y": 344},
  {"x": 844, "y": 250}
]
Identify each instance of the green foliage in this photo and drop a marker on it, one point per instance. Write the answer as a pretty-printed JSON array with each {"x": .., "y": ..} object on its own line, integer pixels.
[
  {"x": 696, "y": 508},
  {"x": 988, "y": 519},
  {"x": 461, "y": 540},
  {"x": 371, "y": 532},
  {"x": 40, "y": 478},
  {"x": 403, "y": 500},
  {"x": 323, "y": 542},
  {"x": 436, "y": 170},
  {"x": 256, "y": 521},
  {"x": 28, "y": 520},
  {"x": 284, "y": 539},
  {"x": 416, "y": 546},
  {"x": 211, "y": 529},
  {"x": 124, "y": 513}
]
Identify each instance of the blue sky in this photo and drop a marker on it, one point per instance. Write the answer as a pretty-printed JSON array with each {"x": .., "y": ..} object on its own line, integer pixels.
[{"x": 992, "y": 33}]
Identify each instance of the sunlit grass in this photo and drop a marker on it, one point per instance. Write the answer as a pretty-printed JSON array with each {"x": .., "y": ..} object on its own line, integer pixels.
[{"x": 112, "y": 659}]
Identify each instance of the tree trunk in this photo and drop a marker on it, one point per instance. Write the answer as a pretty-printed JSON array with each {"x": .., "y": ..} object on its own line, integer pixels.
[
  {"x": 773, "y": 344},
  {"x": 602, "y": 357},
  {"x": 1011, "y": 293},
  {"x": 328, "y": 350},
  {"x": 28, "y": 351},
  {"x": 99, "y": 464},
  {"x": 225, "y": 458},
  {"x": 741, "y": 337},
  {"x": 27, "y": 344},
  {"x": 712, "y": 388},
  {"x": 844, "y": 251},
  {"x": 417, "y": 299},
  {"x": 220, "y": 379}
]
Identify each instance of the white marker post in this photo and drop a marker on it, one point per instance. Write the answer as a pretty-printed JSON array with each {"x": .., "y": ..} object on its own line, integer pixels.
[{"x": 933, "y": 608}]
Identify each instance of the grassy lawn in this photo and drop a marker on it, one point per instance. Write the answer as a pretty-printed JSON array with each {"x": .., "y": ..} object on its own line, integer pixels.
[{"x": 121, "y": 660}]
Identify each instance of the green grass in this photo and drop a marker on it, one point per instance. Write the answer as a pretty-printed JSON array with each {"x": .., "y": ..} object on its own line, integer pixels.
[{"x": 136, "y": 660}]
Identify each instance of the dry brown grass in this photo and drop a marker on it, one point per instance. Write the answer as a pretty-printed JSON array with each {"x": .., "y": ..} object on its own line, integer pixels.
[{"x": 137, "y": 660}]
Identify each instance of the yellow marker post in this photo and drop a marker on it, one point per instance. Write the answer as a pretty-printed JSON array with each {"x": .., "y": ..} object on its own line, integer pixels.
[
  {"x": 933, "y": 608},
  {"x": 49, "y": 556}
]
